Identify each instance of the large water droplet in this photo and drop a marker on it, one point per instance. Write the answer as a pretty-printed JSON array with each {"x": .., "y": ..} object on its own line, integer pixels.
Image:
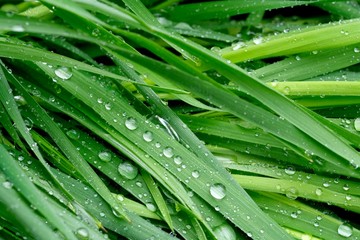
[
  {"x": 218, "y": 191},
  {"x": 225, "y": 232},
  {"x": 63, "y": 72},
  {"x": 7, "y": 184},
  {"x": 345, "y": 230},
  {"x": 105, "y": 156},
  {"x": 318, "y": 192},
  {"x": 148, "y": 136},
  {"x": 168, "y": 152},
  {"x": 131, "y": 123},
  {"x": 73, "y": 134},
  {"x": 82, "y": 233},
  {"x": 128, "y": 170}
]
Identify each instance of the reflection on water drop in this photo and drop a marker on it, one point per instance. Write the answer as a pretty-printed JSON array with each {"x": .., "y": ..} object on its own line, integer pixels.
[
  {"x": 225, "y": 232},
  {"x": 151, "y": 207},
  {"x": 128, "y": 170},
  {"x": 63, "y": 73},
  {"x": 195, "y": 174},
  {"x": 292, "y": 193},
  {"x": 105, "y": 156},
  {"x": 345, "y": 230},
  {"x": 290, "y": 170},
  {"x": 168, "y": 152},
  {"x": 82, "y": 233},
  {"x": 131, "y": 123},
  {"x": 218, "y": 191},
  {"x": 170, "y": 130},
  {"x": 178, "y": 160},
  {"x": 148, "y": 136},
  {"x": 17, "y": 28},
  {"x": 73, "y": 134}
]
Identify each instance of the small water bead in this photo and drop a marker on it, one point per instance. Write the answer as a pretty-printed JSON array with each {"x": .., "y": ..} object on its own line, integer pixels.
[
  {"x": 345, "y": 230},
  {"x": 73, "y": 134},
  {"x": 318, "y": 192},
  {"x": 257, "y": 41},
  {"x": 326, "y": 184},
  {"x": 131, "y": 123},
  {"x": 63, "y": 73},
  {"x": 151, "y": 207},
  {"x": 148, "y": 136},
  {"x": 292, "y": 193},
  {"x": 108, "y": 106},
  {"x": 168, "y": 152},
  {"x": 7, "y": 184},
  {"x": 82, "y": 233},
  {"x": 195, "y": 174},
  {"x": 105, "y": 156},
  {"x": 346, "y": 187},
  {"x": 218, "y": 191},
  {"x": 177, "y": 160},
  {"x": 290, "y": 170},
  {"x": 157, "y": 145},
  {"x": 17, "y": 28},
  {"x": 128, "y": 170},
  {"x": 225, "y": 232},
  {"x": 356, "y": 50},
  {"x": 357, "y": 124}
]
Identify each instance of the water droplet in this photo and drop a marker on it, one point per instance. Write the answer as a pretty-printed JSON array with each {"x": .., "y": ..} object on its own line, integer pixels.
[
  {"x": 346, "y": 187},
  {"x": 225, "y": 232},
  {"x": 195, "y": 174},
  {"x": 73, "y": 134},
  {"x": 218, "y": 191},
  {"x": 7, "y": 184},
  {"x": 356, "y": 50},
  {"x": 105, "y": 156},
  {"x": 344, "y": 230},
  {"x": 292, "y": 193},
  {"x": 318, "y": 192},
  {"x": 177, "y": 160},
  {"x": 128, "y": 170},
  {"x": 151, "y": 207},
  {"x": 148, "y": 136},
  {"x": 131, "y": 123},
  {"x": 290, "y": 170},
  {"x": 17, "y": 28},
  {"x": 357, "y": 124},
  {"x": 82, "y": 233},
  {"x": 63, "y": 73},
  {"x": 168, "y": 152},
  {"x": 298, "y": 58},
  {"x": 294, "y": 215},
  {"x": 257, "y": 40},
  {"x": 326, "y": 184},
  {"x": 108, "y": 106}
]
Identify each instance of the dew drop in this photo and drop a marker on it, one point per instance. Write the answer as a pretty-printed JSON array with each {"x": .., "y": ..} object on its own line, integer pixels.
[
  {"x": 357, "y": 124},
  {"x": 356, "y": 50},
  {"x": 177, "y": 160},
  {"x": 63, "y": 73},
  {"x": 73, "y": 134},
  {"x": 290, "y": 170},
  {"x": 346, "y": 187},
  {"x": 225, "y": 232},
  {"x": 17, "y": 28},
  {"x": 148, "y": 136},
  {"x": 105, "y": 156},
  {"x": 218, "y": 191},
  {"x": 131, "y": 123},
  {"x": 168, "y": 152},
  {"x": 292, "y": 193},
  {"x": 318, "y": 192},
  {"x": 82, "y": 233},
  {"x": 7, "y": 184},
  {"x": 195, "y": 174},
  {"x": 151, "y": 207},
  {"x": 128, "y": 170},
  {"x": 345, "y": 230}
]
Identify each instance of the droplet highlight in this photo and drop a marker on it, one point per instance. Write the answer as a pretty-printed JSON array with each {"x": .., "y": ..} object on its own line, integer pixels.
[
  {"x": 128, "y": 170},
  {"x": 218, "y": 191}
]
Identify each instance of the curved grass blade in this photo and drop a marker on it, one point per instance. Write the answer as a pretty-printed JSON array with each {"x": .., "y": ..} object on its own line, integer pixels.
[{"x": 62, "y": 141}]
